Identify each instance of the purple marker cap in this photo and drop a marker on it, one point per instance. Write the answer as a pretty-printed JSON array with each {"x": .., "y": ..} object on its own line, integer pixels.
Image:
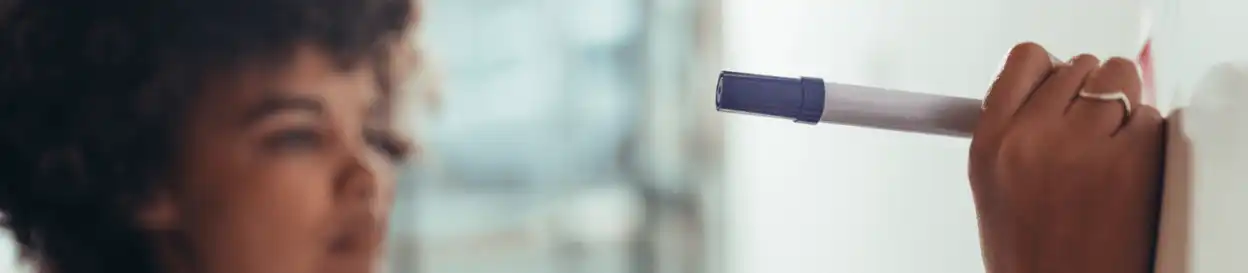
[{"x": 800, "y": 99}]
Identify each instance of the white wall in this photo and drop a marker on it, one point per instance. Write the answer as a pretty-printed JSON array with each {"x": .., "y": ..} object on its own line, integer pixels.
[
  {"x": 1200, "y": 34},
  {"x": 837, "y": 199}
]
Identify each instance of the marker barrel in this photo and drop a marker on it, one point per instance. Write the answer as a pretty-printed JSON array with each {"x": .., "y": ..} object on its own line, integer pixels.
[{"x": 811, "y": 100}]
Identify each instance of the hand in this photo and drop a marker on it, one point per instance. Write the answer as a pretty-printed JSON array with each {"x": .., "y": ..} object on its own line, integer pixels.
[{"x": 1064, "y": 183}]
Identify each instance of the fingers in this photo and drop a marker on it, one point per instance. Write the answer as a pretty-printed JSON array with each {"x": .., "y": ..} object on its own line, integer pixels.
[
  {"x": 1145, "y": 132},
  {"x": 1053, "y": 97},
  {"x": 1105, "y": 116},
  {"x": 1146, "y": 124},
  {"x": 1025, "y": 67}
]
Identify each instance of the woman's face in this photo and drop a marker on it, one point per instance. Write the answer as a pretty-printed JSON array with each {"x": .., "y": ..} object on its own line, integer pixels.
[{"x": 280, "y": 173}]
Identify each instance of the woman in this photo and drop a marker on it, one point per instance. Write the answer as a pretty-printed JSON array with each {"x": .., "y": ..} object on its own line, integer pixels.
[
  {"x": 249, "y": 136},
  {"x": 199, "y": 136}
]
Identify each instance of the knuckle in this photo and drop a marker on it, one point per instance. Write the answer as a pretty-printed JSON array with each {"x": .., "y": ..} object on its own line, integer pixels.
[
  {"x": 1120, "y": 71},
  {"x": 1120, "y": 63},
  {"x": 1146, "y": 125},
  {"x": 1085, "y": 60},
  {"x": 1149, "y": 113},
  {"x": 1028, "y": 52},
  {"x": 1028, "y": 47},
  {"x": 1147, "y": 117}
]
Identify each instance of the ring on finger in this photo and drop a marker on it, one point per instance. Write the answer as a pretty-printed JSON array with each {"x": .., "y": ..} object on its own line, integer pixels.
[{"x": 1119, "y": 96}]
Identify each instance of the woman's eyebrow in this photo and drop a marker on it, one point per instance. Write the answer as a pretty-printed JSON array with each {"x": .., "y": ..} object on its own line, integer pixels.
[{"x": 271, "y": 105}]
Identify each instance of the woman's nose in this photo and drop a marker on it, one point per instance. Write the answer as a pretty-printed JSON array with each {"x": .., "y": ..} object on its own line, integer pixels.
[{"x": 361, "y": 177}]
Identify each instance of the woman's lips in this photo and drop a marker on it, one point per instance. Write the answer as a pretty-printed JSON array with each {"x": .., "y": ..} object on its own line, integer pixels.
[{"x": 362, "y": 236}]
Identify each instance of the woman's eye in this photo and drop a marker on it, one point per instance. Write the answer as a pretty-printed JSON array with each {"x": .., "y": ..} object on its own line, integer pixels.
[
  {"x": 294, "y": 140},
  {"x": 387, "y": 143}
]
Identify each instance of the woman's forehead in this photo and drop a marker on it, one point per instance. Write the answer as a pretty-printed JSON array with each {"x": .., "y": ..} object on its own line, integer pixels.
[{"x": 306, "y": 70}]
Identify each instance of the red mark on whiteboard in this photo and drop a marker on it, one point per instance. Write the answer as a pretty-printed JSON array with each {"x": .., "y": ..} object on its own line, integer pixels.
[{"x": 1149, "y": 92}]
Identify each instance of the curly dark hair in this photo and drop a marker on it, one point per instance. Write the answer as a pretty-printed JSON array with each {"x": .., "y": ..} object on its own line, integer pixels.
[{"x": 92, "y": 92}]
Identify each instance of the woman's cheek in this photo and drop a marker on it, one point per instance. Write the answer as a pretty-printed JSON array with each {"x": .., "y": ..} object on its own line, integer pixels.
[{"x": 275, "y": 218}]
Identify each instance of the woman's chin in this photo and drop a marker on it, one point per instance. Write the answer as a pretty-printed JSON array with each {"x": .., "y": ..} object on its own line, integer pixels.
[{"x": 353, "y": 264}]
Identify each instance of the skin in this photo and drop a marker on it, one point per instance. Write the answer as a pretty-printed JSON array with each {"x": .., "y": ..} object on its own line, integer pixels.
[
  {"x": 278, "y": 174},
  {"x": 1066, "y": 184}
]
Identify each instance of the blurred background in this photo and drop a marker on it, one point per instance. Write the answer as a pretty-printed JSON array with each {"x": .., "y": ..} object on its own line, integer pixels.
[
  {"x": 562, "y": 136},
  {"x": 581, "y": 135}
]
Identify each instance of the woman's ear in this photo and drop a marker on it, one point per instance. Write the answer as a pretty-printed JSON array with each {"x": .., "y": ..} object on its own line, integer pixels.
[{"x": 159, "y": 213}]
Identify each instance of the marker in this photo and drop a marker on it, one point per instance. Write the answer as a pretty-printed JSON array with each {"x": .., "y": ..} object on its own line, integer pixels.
[{"x": 810, "y": 100}]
